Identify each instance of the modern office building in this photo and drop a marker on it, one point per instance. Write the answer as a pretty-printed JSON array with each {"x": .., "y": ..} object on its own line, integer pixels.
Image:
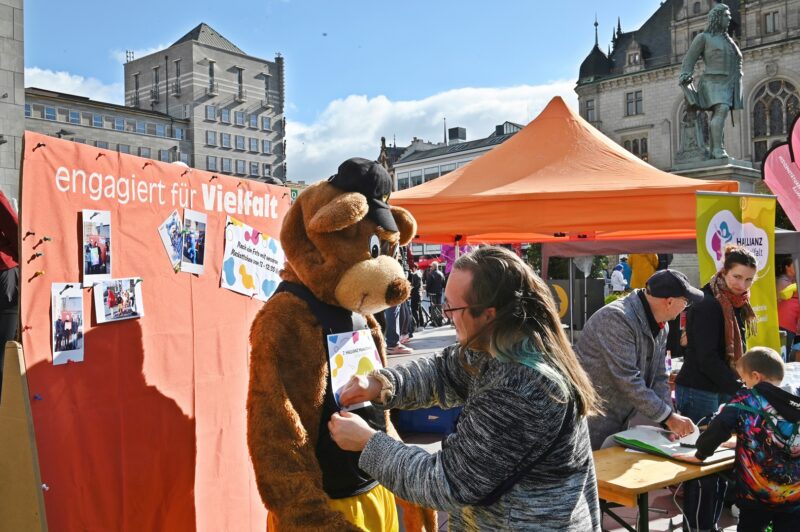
[
  {"x": 124, "y": 129},
  {"x": 12, "y": 95},
  {"x": 632, "y": 95},
  {"x": 234, "y": 102}
]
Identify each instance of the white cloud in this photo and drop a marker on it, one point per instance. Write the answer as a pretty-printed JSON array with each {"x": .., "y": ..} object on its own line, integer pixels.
[
  {"x": 120, "y": 55},
  {"x": 74, "y": 84},
  {"x": 353, "y": 126}
]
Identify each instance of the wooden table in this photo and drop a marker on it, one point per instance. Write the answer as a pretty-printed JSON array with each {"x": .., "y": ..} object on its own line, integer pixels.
[{"x": 626, "y": 479}]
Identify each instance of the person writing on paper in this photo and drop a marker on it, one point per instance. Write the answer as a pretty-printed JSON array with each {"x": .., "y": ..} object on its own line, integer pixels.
[
  {"x": 520, "y": 457},
  {"x": 623, "y": 347},
  {"x": 766, "y": 421},
  {"x": 716, "y": 330}
]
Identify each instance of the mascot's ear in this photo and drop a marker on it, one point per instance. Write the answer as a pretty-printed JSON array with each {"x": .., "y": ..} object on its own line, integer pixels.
[
  {"x": 406, "y": 223},
  {"x": 344, "y": 211}
]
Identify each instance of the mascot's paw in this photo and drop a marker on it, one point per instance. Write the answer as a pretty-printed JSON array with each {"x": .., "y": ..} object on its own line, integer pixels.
[{"x": 417, "y": 518}]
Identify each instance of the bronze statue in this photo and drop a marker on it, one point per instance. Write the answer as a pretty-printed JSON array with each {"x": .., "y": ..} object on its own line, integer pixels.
[{"x": 720, "y": 87}]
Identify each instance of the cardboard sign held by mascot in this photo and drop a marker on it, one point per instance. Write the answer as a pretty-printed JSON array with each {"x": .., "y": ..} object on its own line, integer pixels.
[{"x": 339, "y": 238}]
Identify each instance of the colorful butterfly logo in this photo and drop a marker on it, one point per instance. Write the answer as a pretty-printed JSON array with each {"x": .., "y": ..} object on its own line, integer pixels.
[{"x": 252, "y": 236}]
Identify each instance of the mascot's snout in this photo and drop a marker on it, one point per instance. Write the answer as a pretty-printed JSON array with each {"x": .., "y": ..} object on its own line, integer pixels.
[{"x": 370, "y": 286}]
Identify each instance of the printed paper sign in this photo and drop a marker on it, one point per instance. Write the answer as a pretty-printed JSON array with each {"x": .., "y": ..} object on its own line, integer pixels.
[
  {"x": 351, "y": 353},
  {"x": 251, "y": 261},
  {"x": 171, "y": 233},
  {"x": 194, "y": 241},
  {"x": 118, "y": 299},
  {"x": 96, "y": 246},
  {"x": 67, "y": 317}
]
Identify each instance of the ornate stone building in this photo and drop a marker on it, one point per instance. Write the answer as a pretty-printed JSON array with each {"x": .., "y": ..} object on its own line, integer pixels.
[{"x": 631, "y": 92}]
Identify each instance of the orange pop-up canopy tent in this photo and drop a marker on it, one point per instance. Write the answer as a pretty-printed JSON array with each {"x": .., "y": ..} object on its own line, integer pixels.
[{"x": 558, "y": 177}]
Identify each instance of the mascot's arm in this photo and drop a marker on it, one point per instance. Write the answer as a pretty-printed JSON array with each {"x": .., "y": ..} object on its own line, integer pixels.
[{"x": 283, "y": 408}]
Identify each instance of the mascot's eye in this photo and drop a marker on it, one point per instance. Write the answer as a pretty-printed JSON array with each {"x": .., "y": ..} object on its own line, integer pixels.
[{"x": 374, "y": 246}]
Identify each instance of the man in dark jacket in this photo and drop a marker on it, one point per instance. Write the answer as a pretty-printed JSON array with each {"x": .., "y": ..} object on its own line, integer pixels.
[{"x": 434, "y": 286}]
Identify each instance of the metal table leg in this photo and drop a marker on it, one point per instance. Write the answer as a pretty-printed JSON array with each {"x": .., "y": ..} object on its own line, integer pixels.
[{"x": 644, "y": 513}]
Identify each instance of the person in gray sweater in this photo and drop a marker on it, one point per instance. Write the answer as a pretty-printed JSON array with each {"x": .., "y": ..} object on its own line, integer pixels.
[
  {"x": 520, "y": 457},
  {"x": 623, "y": 347}
]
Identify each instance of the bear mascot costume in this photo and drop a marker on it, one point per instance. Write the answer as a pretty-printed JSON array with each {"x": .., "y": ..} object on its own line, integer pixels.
[{"x": 340, "y": 237}]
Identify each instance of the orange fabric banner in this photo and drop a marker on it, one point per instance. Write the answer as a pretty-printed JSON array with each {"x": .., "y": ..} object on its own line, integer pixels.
[{"x": 148, "y": 431}]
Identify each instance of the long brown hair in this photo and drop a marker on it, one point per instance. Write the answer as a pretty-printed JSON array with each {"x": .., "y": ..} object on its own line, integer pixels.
[{"x": 526, "y": 319}]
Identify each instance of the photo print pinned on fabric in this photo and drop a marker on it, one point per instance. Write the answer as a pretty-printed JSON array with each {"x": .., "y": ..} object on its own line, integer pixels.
[
  {"x": 194, "y": 241},
  {"x": 171, "y": 233},
  {"x": 96, "y": 252},
  {"x": 118, "y": 299},
  {"x": 251, "y": 261},
  {"x": 67, "y": 322}
]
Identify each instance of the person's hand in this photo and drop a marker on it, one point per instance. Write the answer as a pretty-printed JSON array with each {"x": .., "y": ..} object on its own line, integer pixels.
[
  {"x": 687, "y": 457},
  {"x": 349, "y": 431},
  {"x": 359, "y": 389},
  {"x": 684, "y": 341},
  {"x": 679, "y": 425}
]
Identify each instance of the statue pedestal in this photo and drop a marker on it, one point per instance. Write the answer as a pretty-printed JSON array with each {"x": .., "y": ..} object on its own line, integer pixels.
[{"x": 728, "y": 169}]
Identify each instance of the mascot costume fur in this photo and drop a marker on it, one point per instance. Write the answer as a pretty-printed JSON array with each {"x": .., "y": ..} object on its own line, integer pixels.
[{"x": 339, "y": 237}]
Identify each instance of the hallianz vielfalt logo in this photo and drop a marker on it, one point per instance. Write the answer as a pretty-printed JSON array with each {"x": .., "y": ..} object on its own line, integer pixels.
[{"x": 724, "y": 228}]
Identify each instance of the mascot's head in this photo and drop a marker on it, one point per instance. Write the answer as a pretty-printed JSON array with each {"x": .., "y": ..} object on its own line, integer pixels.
[{"x": 340, "y": 238}]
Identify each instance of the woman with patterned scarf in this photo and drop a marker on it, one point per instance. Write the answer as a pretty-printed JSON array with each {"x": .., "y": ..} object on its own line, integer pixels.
[{"x": 716, "y": 329}]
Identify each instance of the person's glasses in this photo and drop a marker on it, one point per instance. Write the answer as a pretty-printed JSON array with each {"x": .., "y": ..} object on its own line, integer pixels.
[{"x": 448, "y": 310}]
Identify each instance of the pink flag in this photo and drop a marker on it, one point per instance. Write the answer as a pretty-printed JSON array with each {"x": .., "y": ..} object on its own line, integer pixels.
[
  {"x": 794, "y": 140},
  {"x": 782, "y": 176}
]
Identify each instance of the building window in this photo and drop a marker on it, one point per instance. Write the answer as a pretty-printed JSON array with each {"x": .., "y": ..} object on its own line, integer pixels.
[
  {"x": 225, "y": 140},
  {"x": 446, "y": 168},
  {"x": 253, "y": 144},
  {"x": 27, "y": 110},
  {"x": 254, "y": 121},
  {"x": 144, "y": 152},
  {"x": 240, "y": 168},
  {"x": 101, "y": 144},
  {"x": 161, "y": 130},
  {"x": 776, "y": 104},
  {"x": 119, "y": 124},
  {"x": 184, "y": 157},
  {"x": 178, "y": 133},
  {"x": 254, "y": 169},
  {"x": 211, "y": 138},
  {"x": 178, "y": 71},
  {"x": 771, "y": 22},
  {"x": 50, "y": 113},
  {"x": 633, "y": 103},
  {"x": 431, "y": 173},
  {"x": 240, "y": 81},
  {"x": 634, "y": 58},
  {"x": 155, "y": 78},
  {"x": 225, "y": 116},
  {"x": 211, "y": 112},
  {"x": 141, "y": 128},
  {"x": 266, "y": 123},
  {"x": 590, "y": 112},
  {"x": 239, "y": 139},
  {"x": 696, "y": 8},
  {"x": 163, "y": 156},
  {"x": 239, "y": 118},
  {"x": 267, "y": 169},
  {"x": 266, "y": 146},
  {"x": 123, "y": 148},
  {"x": 637, "y": 146},
  {"x": 226, "y": 165},
  {"x": 211, "y": 75},
  {"x": 416, "y": 177},
  {"x": 211, "y": 163},
  {"x": 151, "y": 128},
  {"x": 74, "y": 116}
]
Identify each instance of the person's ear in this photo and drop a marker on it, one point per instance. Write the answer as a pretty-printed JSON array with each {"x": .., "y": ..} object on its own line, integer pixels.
[{"x": 491, "y": 313}]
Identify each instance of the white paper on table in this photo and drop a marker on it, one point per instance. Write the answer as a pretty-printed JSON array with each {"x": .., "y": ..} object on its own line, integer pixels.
[{"x": 691, "y": 439}]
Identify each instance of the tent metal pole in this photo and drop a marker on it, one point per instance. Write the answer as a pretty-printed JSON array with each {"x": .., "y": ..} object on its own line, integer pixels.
[{"x": 571, "y": 303}]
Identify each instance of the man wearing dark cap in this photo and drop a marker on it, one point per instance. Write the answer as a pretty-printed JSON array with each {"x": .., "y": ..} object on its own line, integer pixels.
[{"x": 623, "y": 346}]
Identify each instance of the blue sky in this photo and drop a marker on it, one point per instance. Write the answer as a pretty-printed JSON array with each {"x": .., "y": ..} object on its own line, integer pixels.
[{"x": 356, "y": 70}]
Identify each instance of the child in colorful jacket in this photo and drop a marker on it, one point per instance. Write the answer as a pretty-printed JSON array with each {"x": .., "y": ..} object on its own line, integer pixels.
[{"x": 765, "y": 419}]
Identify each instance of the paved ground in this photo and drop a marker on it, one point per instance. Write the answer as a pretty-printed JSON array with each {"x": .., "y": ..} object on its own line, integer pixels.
[{"x": 665, "y": 512}]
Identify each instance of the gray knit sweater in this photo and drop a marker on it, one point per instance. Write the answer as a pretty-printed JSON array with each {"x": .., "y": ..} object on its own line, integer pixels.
[{"x": 508, "y": 410}]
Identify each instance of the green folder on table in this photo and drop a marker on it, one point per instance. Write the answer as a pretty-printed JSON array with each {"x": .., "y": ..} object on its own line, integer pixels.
[{"x": 654, "y": 440}]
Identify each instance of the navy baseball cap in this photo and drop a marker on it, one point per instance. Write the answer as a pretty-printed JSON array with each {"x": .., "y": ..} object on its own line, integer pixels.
[
  {"x": 374, "y": 182},
  {"x": 672, "y": 283}
]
